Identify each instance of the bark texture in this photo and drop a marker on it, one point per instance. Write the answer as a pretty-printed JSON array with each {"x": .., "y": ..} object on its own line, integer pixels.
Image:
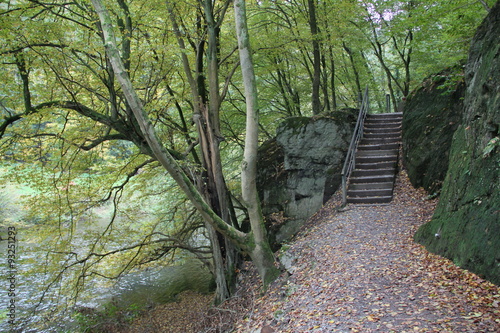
[{"x": 261, "y": 252}]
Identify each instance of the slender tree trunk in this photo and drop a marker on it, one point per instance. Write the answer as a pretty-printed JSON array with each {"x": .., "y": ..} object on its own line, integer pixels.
[
  {"x": 291, "y": 99},
  {"x": 24, "y": 73},
  {"x": 313, "y": 24},
  {"x": 214, "y": 137},
  {"x": 354, "y": 69},
  {"x": 206, "y": 117},
  {"x": 332, "y": 105},
  {"x": 485, "y": 5},
  {"x": 261, "y": 253},
  {"x": 374, "y": 78},
  {"x": 326, "y": 98},
  {"x": 406, "y": 57},
  {"x": 332, "y": 80}
]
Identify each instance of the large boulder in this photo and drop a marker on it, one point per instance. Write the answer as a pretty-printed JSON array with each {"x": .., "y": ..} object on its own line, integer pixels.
[
  {"x": 431, "y": 115},
  {"x": 466, "y": 224},
  {"x": 300, "y": 169}
]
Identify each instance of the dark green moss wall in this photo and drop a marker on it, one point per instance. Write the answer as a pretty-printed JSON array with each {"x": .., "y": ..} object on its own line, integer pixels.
[
  {"x": 466, "y": 224},
  {"x": 431, "y": 115}
]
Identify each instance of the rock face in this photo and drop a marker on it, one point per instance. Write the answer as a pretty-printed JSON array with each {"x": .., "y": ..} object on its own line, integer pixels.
[
  {"x": 300, "y": 169},
  {"x": 431, "y": 115},
  {"x": 466, "y": 224}
]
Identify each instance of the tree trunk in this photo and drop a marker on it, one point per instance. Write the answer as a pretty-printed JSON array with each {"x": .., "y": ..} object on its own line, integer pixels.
[
  {"x": 213, "y": 163},
  {"x": 261, "y": 253},
  {"x": 313, "y": 24},
  {"x": 326, "y": 98},
  {"x": 332, "y": 80},
  {"x": 354, "y": 69},
  {"x": 206, "y": 117}
]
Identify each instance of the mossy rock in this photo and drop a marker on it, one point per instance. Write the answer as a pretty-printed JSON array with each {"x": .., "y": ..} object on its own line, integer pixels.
[
  {"x": 431, "y": 115},
  {"x": 466, "y": 224},
  {"x": 300, "y": 169}
]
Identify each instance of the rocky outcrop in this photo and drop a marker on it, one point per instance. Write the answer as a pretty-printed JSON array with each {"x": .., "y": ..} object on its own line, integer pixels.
[
  {"x": 431, "y": 115},
  {"x": 300, "y": 169},
  {"x": 466, "y": 224}
]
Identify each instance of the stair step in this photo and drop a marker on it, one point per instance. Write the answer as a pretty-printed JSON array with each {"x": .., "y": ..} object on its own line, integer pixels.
[
  {"x": 372, "y": 172},
  {"x": 379, "y": 140},
  {"x": 370, "y": 200},
  {"x": 370, "y": 193},
  {"x": 378, "y": 165},
  {"x": 389, "y": 152},
  {"x": 385, "y": 115},
  {"x": 367, "y": 186},
  {"x": 380, "y": 128},
  {"x": 372, "y": 179},
  {"x": 376, "y": 159},
  {"x": 381, "y": 125},
  {"x": 381, "y": 121},
  {"x": 381, "y": 135},
  {"x": 383, "y": 130},
  {"x": 378, "y": 147}
]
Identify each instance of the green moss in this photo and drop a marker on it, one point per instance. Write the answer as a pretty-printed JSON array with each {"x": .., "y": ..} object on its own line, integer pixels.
[
  {"x": 431, "y": 116},
  {"x": 113, "y": 317},
  {"x": 296, "y": 124},
  {"x": 466, "y": 225}
]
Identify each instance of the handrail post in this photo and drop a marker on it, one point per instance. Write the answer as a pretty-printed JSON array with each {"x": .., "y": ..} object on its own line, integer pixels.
[{"x": 344, "y": 190}]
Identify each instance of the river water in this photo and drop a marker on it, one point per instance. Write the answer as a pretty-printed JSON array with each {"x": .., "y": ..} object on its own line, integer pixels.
[{"x": 147, "y": 287}]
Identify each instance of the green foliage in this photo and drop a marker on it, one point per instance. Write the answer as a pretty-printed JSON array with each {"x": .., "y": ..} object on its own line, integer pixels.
[{"x": 445, "y": 30}]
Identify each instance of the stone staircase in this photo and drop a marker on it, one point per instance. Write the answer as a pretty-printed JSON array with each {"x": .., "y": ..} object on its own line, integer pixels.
[{"x": 372, "y": 180}]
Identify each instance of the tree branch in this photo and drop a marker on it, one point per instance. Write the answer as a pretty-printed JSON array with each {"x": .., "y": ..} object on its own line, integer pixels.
[
  {"x": 31, "y": 46},
  {"x": 485, "y": 5}
]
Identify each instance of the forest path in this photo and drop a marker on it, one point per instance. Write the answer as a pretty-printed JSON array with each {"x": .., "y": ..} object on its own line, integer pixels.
[{"x": 359, "y": 270}]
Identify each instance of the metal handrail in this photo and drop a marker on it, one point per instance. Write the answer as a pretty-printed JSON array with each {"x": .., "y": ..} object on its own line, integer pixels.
[{"x": 350, "y": 160}]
